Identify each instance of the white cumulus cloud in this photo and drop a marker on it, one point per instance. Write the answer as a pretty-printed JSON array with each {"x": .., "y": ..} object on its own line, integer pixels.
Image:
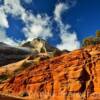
[
  {"x": 69, "y": 39},
  {"x": 3, "y": 20},
  {"x": 14, "y": 8},
  {"x": 39, "y": 27},
  {"x": 4, "y": 38},
  {"x": 59, "y": 9},
  {"x": 35, "y": 25}
]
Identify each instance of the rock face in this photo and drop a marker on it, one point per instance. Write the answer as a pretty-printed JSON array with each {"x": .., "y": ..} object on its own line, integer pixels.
[
  {"x": 9, "y": 54},
  {"x": 72, "y": 76},
  {"x": 39, "y": 44}
]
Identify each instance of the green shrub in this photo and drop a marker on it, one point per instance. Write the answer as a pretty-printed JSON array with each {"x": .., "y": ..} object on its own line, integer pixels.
[
  {"x": 23, "y": 94},
  {"x": 98, "y": 33},
  {"x": 3, "y": 77},
  {"x": 88, "y": 41},
  {"x": 26, "y": 64},
  {"x": 96, "y": 40},
  {"x": 43, "y": 50},
  {"x": 92, "y": 40}
]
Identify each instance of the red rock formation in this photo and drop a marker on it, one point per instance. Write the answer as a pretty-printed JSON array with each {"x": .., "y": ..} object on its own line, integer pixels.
[{"x": 72, "y": 76}]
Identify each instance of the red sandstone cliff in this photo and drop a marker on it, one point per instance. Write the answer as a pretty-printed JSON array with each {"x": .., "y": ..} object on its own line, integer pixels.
[{"x": 72, "y": 76}]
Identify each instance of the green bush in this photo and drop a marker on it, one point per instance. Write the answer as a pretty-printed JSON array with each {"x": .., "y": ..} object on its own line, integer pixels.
[
  {"x": 26, "y": 64},
  {"x": 96, "y": 40},
  {"x": 88, "y": 41},
  {"x": 3, "y": 77},
  {"x": 92, "y": 40},
  {"x": 98, "y": 33},
  {"x": 23, "y": 94}
]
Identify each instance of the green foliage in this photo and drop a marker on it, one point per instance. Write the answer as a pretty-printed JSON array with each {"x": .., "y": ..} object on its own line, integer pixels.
[
  {"x": 26, "y": 64},
  {"x": 3, "y": 77},
  {"x": 98, "y": 33},
  {"x": 96, "y": 40},
  {"x": 88, "y": 41},
  {"x": 42, "y": 50},
  {"x": 23, "y": 66},
  {"x": 23, "y": 94},
  {"x": 92, "y": 40}
]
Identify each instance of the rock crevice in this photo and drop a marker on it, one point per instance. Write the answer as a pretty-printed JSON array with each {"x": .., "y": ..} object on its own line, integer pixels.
[{"x": 72, "y": 76}]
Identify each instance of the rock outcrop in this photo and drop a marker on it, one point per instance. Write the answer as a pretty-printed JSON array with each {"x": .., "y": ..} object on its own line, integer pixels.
[
  {"x": 72, "y": 76},
  {"x": 10, "y": 54},
  {"x": 40, "y": 45}
]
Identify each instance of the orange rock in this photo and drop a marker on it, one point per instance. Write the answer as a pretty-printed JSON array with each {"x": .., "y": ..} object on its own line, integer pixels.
[{"x": 72, "y": 76}]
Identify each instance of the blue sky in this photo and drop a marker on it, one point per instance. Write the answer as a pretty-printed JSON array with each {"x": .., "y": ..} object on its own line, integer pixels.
[{"x": 63, "y": 23}]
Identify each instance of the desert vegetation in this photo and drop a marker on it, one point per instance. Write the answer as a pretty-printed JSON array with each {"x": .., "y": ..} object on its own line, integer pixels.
[
  {"x": 92, "y": 40},
  {"x": 3, "y": 77}
]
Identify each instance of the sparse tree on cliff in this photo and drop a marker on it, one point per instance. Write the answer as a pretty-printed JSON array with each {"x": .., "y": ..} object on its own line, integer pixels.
[
  {"x": 88, "y": 41},
  {"x": 98, "y": 33},
  {"x": 92, "y": 40}
]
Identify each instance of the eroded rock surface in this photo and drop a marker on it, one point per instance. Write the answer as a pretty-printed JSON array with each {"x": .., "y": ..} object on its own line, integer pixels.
[
  {"x": 10, "y": 54},
  {"x": 72, "y": 76}
]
